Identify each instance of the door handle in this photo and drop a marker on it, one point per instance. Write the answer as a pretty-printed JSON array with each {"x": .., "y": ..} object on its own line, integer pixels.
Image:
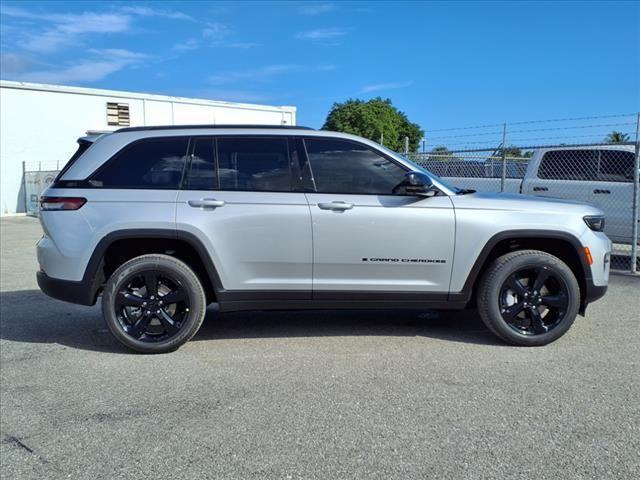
[
  {"x": 339, "y": 206},
  {"x": 600, "y": 191},
  {"x": 206, "y": 203},
  {"x": 540, "y": 189}
]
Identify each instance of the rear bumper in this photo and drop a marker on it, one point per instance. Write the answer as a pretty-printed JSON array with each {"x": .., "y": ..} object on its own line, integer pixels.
[{"x": 81, "y": 293}]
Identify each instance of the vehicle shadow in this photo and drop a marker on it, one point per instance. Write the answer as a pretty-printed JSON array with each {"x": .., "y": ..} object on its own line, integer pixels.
[{"x": 32, "y": 317}]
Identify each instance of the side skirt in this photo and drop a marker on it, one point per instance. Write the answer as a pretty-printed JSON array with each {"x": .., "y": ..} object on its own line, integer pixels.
[{"x": 241, "y": 301}]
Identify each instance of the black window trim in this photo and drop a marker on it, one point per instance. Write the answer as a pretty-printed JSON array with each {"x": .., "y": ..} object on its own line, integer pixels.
[
  {"x": 348, "y": 140},
  {"x": 87, "y": 182},
  {"x": 295, "y": 180}
]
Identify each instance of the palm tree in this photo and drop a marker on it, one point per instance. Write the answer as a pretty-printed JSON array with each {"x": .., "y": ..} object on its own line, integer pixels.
[{"x": 617, "y": 137}]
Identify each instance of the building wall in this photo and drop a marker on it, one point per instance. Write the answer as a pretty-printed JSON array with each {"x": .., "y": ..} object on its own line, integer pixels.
[{"x": 39, "y": 124}]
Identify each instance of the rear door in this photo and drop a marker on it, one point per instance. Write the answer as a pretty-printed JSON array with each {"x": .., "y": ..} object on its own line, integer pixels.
[
  {"x": 365, "y": 237},
  {"x": 241, "y": 198},
  {"x": 570, "y": 174}
]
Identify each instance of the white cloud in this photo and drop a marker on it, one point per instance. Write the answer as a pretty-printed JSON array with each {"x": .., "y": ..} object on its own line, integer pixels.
[
  {"x": 101, "y": 65},
  {"x": 322, "y": 34},
  {"x": 65, "y": 28},
  {"x": 266, "y": 72},
  {"x": 150, "y": 12},
  {"x": 242, "y": 45},
  {"x": 215, "y": 31},
  {"x": 316, "y": 8},
  {"x": 57, "y": 30},
  {"x": 191, "y": 44},
  {"x": 386, "y": 86},
  {"x": 13, "y": 63}
]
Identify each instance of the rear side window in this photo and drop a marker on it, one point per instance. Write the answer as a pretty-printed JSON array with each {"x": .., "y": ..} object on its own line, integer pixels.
[
  {"x": 202, "y": 172},
  {"x": 150, "y": 163},
  {"x": 254, "y": 164},
  {"x": 339, "y": 166},
  {"x": 616, "y": 166},
  {"x": 569, "y": 165}
]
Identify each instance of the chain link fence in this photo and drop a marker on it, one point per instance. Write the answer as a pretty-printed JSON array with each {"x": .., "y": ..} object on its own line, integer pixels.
[{"x": 592, "y": 166}]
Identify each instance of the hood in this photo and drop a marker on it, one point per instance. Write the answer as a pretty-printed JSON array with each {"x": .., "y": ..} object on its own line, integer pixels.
[{"x": 524, "y": 203}]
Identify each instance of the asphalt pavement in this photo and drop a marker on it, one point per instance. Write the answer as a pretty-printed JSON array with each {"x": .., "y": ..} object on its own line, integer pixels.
[{"x": 312, "y": 395}]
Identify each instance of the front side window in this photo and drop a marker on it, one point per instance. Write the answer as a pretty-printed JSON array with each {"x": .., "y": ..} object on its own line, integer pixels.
[
  {"x": 150, "y": 163},
  {"x": 569, "y": 165},
  {"x": 340, "y": 166},
  {"x": 616, "y": 166},
  {"x": 254, "y": 164}
]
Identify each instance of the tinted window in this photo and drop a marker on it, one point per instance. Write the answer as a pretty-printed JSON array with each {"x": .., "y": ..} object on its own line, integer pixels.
[
  {"x": 569, "y": 165},
  {"x": 254, "y": 164},
  {"x": 616, "y": 166},
  {"x": 202, "y": 170},
  {"x": 151, "y": 163},
  {"x": 347, "y": 167}
]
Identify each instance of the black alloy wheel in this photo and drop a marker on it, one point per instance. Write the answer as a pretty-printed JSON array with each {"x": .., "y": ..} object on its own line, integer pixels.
[
  {"x": 154, "y": 303},
  {"x": 151, "y": 306},
  {"x": 533, "y": 301}
]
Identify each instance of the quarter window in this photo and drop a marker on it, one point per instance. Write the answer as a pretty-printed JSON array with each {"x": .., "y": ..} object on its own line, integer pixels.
[
  {"x": 254, "y": 164},
  {"x": 347, "y": 167},
  {"x": 150, "y": 163}
]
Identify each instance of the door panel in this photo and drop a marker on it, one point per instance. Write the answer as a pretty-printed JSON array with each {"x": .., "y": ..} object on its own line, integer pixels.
[
  {"x": 257, "y": 240},
  {"x": 381, "y": 243}
]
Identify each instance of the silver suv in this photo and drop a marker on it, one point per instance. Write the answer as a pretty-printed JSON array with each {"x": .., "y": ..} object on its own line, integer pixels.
[{"x": 166, "y": 220}]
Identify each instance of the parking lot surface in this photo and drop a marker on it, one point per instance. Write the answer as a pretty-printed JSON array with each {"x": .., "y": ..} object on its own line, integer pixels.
[{"x": 379, "y": 394}]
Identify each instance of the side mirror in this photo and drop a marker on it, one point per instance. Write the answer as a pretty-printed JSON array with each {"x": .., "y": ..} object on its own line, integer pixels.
[{"x": 418, "y": 183}]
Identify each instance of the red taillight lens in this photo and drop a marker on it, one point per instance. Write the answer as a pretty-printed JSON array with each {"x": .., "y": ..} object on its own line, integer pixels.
[{"x": 61, "y": 203}]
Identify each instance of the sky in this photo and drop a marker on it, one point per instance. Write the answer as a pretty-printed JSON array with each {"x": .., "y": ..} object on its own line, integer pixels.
[{"x": 445, "y": 64}]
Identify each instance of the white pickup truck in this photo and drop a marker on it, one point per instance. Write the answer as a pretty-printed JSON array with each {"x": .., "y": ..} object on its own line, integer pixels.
[{"x": 600, "y": 175}]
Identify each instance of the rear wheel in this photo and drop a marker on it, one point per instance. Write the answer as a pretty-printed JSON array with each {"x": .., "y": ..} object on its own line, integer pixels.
[
  {"x": 528, "y": 297},
  {"x": 153, "y": 303}
]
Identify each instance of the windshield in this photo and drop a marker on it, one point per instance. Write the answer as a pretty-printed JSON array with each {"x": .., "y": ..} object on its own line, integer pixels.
[{"x": 422, "y": 169}]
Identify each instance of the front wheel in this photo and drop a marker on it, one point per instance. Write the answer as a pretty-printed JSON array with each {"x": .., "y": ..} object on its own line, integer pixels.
[
  {"x": 528, "y": 297},
  {"x": 153, "y": 303}
]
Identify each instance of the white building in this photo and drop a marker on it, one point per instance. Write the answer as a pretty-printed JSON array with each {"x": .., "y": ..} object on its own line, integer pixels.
[{"x": 39, "y": 124}]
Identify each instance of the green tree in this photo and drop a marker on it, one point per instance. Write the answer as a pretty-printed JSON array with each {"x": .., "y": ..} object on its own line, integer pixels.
[
  {"x": 375, "y": 119},
  {"x": 512, "y": 151},
  {"x": 617, "y": 137}
]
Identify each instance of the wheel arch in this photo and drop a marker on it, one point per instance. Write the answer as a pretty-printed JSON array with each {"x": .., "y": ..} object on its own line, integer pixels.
[
  {"x": 563, "y": 245},
  {"x": 121, "y": 245}
]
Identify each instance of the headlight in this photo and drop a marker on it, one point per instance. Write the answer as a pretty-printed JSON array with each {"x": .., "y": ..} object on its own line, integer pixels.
[{"x": 595, "y": 222}]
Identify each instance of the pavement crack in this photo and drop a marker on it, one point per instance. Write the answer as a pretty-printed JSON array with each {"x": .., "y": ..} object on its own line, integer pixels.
[{"x": 18, "y": 442}]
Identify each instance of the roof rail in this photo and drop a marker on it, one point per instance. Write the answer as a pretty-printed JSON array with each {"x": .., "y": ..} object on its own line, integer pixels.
[{"x": 180, "y": 127}]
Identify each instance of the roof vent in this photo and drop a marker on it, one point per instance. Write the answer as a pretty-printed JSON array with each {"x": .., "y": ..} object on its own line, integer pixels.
[{"x": 118, "y": 114}]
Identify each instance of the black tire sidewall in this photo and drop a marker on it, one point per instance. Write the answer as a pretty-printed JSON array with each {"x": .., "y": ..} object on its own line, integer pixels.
[
  {"x": 490, "y": 297},
  {"x": 172, "y": 268}
]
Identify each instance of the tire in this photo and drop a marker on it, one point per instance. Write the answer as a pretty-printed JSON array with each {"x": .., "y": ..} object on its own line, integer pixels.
[
  {"x": 519, "y": 284},
  {"x": 153, "y": 316}
]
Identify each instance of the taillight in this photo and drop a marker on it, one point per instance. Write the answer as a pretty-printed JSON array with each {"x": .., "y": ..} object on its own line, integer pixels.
[{"x": 61, "y": 203}]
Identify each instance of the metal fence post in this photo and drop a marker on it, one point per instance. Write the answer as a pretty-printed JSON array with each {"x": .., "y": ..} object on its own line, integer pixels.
[
  {"x": 406, "y": 145},
  {"x": 24, "y": 187},
  {"x": 636, "y": 200},
  {"x": 504, "y": 157}
]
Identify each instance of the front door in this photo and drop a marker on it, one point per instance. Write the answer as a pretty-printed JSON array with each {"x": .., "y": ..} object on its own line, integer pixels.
[
  {"x": 365, "y": 237},
  {"x": 239, "y": 199}
]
